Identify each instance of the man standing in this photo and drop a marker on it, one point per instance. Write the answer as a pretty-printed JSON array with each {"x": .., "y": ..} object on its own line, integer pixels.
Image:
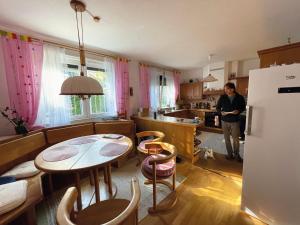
[{"x": 230, "y": 105}]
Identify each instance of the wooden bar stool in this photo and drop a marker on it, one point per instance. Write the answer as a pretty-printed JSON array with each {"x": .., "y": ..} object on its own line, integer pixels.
[
  {"x": 156, "y": 136},
  {"x": 108, "y": 212},
  {"x": 158, "y": 168}
]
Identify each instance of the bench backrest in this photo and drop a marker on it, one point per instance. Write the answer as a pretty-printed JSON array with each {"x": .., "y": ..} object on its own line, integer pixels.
[
  {"x": 117, "y": 127},
  {"x": 55, "y": 135},
  {"x": 20, "y": 150}
]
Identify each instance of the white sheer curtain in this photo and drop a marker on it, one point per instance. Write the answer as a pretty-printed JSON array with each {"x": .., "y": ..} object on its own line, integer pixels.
[
  {"x": 54, "y": 109},
  {"x": 154, "y": 89},
  {"x": 161, "y": 96},
  {"x": 110, "y": 87},
  {"x": 169, "y": 90}
]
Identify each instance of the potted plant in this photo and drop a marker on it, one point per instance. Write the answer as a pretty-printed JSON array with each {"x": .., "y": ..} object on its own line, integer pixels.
[{"x": 13, "y": 117}]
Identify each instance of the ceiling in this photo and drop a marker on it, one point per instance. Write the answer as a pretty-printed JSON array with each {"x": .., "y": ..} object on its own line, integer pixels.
[{"x": 173, "y": 33}]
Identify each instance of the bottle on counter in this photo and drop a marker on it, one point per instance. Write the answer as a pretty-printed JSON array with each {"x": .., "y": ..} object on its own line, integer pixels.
[{"x": 155, "y": 115}]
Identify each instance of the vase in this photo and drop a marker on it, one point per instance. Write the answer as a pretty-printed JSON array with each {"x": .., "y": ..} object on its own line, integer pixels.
[{"x": 21, "y": 129}]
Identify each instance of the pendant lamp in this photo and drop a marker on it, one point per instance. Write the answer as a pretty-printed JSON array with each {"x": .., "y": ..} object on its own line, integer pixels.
[
  {"x": 82, "y": 86},
  {"x": 209, "y": 78}
]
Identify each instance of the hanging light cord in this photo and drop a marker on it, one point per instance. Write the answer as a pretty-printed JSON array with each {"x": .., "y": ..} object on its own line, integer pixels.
[
  {"x": 79, "y": 43},
  {"x": 81, "y": 29}
]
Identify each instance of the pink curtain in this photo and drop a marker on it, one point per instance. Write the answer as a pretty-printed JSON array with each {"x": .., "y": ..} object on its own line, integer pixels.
[
  {"x": 122, "y": 86},
  {"x": 176, "y": 75},
  {"x": 23, "y": 65},
  {"x": 144, "y": 86}
]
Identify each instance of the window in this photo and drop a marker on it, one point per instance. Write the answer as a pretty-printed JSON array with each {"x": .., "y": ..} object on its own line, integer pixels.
[
  {"x": 98, "y": 104},
  {"x": 162, "y": 89}
]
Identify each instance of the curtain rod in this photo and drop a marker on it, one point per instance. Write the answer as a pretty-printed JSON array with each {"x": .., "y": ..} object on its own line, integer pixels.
[
  {"x": 158, "y": 67},
  {"x": 76, "y": 49}
]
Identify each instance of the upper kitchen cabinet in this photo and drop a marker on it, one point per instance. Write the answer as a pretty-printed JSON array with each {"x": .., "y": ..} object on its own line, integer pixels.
[
  {"x": 286, "y": 54},
  {"x": 190, "y": 91},
  {"x": 242, "y": 85}
]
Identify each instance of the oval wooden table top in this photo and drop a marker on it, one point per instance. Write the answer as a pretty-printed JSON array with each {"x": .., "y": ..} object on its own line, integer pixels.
[{"x": 83, "y": 153}]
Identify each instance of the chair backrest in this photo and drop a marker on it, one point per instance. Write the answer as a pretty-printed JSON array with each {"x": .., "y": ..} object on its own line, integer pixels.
[
  {"x": 20, "y": 150},
  {"x": 66, "y": 206},
  {"x": 171, "y": 149},
  {"x": 55, "y": 135},
  {"x": 159, "y": 135}
]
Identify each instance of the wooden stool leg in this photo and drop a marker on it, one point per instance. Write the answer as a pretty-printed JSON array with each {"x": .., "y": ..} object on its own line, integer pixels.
[
  {"x": 109, "y": 179},
  {"x": 174, "y": 181},
  {"x": 78, "y": 186},
  {"x": 105, "y": 175},
  {"x": 96, "y": 182},
  {"x": 30, "y": 216},
  {"x": 154, "y": 186},
  {"x": 91, "y": 177}
]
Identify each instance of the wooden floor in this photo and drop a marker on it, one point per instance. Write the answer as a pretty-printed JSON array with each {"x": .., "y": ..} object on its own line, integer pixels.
[{"x": 211, "y": 195}]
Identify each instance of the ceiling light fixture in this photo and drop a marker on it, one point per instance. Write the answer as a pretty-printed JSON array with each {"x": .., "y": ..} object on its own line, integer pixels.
[
  {"x": 82, "y": 86},
  {"x": 209, "y": 78}
]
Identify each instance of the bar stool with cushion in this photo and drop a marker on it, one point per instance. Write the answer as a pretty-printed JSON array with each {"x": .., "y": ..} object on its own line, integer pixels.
[
  {"x": 158, "y": 168},
  {"x": 147, "y": 137},
  {"x": 108, "y": 212}
]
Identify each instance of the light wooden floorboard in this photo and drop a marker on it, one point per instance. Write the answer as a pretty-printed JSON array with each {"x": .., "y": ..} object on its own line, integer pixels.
[{"x": 210, "y": 195}]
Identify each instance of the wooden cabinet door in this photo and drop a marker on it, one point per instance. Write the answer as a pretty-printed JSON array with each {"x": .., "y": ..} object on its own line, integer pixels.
[
  {"x": 242, "y": 86},
  {"x": 183, "y": 91},
  {"x": 197, "y": 90}
]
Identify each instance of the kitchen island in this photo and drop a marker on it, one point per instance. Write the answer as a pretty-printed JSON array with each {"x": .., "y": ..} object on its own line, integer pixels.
[{"x": 180, "y": 132}]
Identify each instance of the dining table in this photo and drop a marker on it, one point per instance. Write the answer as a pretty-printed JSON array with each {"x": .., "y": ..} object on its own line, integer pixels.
[{"x": 85, "y": 153}]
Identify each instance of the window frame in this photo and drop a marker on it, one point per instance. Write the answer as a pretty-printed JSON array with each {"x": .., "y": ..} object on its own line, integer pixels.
[{"x": 92, "y": 65}]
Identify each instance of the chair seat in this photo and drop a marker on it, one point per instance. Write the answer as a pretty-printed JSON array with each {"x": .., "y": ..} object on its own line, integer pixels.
[
  {"x": 102, "y": 212},
  {"x": 23, "y": 170},
  {"x": 163, "y": 170},
  {"x": 12, "y": 195}
]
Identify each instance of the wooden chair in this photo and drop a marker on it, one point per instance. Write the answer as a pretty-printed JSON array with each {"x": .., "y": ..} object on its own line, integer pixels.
[
  {"x": 158, "y": 136},
  {"x": 108, "y": 212},
  {"x": 158, "y": 168}
]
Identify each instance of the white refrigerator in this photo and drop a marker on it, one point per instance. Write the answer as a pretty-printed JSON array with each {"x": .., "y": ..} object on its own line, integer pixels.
[{"x": 271, "y": 170}]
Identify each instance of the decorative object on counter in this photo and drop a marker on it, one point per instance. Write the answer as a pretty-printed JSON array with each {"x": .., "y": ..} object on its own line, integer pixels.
[
  {"x": 232, "y": 75},
  {"x": 18, "y": 122},
  {"x": 191, "y": 81},
  {"x": 155, "y": 115}
]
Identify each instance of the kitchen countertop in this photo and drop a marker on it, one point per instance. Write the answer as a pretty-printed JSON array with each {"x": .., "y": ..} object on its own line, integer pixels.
[{"x": 169, "y": 119}]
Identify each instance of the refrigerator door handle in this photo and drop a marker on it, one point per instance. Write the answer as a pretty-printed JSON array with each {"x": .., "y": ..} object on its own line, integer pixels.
[{"x": 249, "y": 110}]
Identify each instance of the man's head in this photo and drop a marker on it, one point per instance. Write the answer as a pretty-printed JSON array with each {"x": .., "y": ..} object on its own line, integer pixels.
[{"x": 229, "y": 89}]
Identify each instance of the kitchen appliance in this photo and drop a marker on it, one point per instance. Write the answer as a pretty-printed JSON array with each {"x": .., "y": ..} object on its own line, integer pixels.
[
  {"x": 271, "y": 172},
  {"x": 210, "y": 119}
]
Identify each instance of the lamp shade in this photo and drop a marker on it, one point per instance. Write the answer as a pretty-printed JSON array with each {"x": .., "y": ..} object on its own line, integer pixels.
[
  {"x": 209, "y": 78},
  {"x": 81, "y": 85}
]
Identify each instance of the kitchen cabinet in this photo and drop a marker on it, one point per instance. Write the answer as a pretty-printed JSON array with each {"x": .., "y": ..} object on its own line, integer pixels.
[
  {"x": 286, "y": 54},
  {"x": 190, "y": 91},
  {"x": 242, "y": 85}
]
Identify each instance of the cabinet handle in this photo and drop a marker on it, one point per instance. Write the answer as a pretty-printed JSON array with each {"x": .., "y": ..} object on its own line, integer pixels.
[{"x": 249, "y": 112}]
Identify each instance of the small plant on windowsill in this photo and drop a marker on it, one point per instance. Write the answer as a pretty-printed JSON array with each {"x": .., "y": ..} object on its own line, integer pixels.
[{"x": 13, "y": 117}]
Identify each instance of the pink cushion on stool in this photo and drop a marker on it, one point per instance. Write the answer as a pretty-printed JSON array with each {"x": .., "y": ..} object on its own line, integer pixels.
[{"x": 162, "y": 170}]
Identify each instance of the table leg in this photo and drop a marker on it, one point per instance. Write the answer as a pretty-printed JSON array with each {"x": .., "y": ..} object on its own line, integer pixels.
[
  {"x": 105, "y": 175},
  {"x": 109, "y": 179},
  {"x": 77, "y": 183},
  {"x": 96, "y": 183}
]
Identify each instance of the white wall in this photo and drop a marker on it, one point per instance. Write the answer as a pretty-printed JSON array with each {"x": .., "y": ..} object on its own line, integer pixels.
[
  {"x": 5, "y": 127},
  {"x": 246, "y": 65},
  {"x": 194, "y": 74}
]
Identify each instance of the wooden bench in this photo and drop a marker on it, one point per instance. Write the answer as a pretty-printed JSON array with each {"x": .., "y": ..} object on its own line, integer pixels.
[
  {"x": 13, "y": 153},
  {"x": 59, "y": 134}
]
